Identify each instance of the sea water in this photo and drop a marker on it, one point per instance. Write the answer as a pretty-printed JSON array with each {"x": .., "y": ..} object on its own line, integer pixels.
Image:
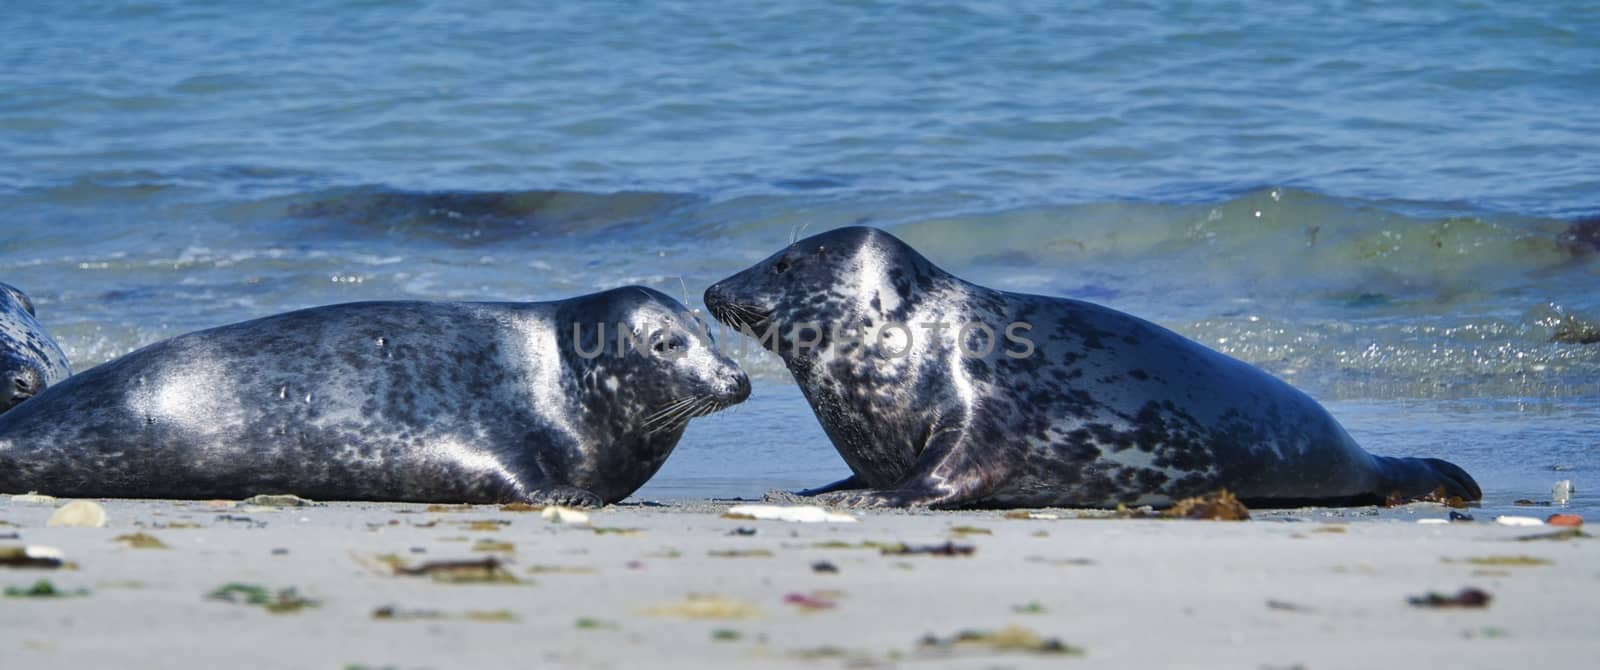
[{"x": 1392, "y": 206}]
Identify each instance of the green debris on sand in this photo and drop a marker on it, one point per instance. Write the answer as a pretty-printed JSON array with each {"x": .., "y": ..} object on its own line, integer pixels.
[
  {"x": 866, "y": 544},
  {"x": 281, "y": 601},
  {"x": 43, "y": 588},
  {"x": 1008, "y": 639},
  {"x": 1466, "y": 598},
  {"x": 946, "y": 549},
  {"x": 705, "y": 607},
  {"x": 491, "y": 546},
  {"x": 396, "y": 613},
  {"x": 393, "y": 613},
  {"x": 141, "y": 541},
  {"x": 487, "y": 570},
  {"x": 726, "y": 635},
  {"x": 962, "y": 531},
  {"x": 740, "y": 553},
  {"x": 589, "y": 623},
  {"x": 1558, "y": 536},
  {"x": 1513, "y": 561},
  {"x": 852, "y": 658},
  {"x": 561, "y": 569}
]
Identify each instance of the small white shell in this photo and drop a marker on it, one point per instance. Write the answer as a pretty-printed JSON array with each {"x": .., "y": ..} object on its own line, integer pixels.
[
  {"x": 33, "y": 498},
  {"x": 556, "y": 514},
  {"x": 78, "y": 514},
  {"x": 796, "y": 514}
]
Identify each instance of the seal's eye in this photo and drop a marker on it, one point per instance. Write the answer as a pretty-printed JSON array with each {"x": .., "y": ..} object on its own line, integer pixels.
[
  {"x": 674, "y": 344},
  {"x": 781, "y": 266}
]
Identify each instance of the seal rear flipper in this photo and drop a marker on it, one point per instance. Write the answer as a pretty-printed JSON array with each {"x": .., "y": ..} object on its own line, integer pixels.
[
  {"x": 563, "y": 495},
  {"x": 1410, "y": 478},
  {"x": 848, "y": 483}
]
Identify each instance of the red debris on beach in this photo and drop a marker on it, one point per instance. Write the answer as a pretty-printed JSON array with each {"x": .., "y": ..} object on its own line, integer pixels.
[
  {"x": 813, "y": 601},
  {"x": 1570, "y": 520}
]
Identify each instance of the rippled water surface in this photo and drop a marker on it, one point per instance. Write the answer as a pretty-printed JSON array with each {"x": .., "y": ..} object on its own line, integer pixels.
[{"x": 1392, "y": 206}]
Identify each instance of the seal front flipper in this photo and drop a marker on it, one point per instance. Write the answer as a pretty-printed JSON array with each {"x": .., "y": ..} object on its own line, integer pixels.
[
  {"x": 947, "y": 473},
  {"x": 563, "y": 495}
]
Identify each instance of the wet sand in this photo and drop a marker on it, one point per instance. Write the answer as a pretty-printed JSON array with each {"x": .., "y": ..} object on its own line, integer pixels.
[{"x": 678, "y": 585}]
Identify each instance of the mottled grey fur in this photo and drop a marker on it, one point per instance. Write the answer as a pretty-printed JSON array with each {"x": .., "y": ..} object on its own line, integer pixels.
[
  {"x": 29, "y": 359},
  {"x": 446, "y": 402},
  {"x": 1108, "y": 409}
]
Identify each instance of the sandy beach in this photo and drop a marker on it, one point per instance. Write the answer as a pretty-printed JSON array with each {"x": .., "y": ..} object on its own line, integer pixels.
[{"x": 680, "y": 585}]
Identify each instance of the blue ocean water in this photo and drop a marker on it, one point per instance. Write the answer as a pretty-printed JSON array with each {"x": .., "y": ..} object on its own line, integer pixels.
[{"x": 1392, "y": 206}]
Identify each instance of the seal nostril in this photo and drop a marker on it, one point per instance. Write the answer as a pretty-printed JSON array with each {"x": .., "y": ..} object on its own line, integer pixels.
[
  {"x": 739, "y": 386},
  {"x": 23, "y": 385}
]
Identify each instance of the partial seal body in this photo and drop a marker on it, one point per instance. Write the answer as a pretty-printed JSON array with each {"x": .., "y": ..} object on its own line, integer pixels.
[
  {"x": 29, "y": 359},
  {"x": 939, "y": 392},
  {"x": 571, "y": 402}
]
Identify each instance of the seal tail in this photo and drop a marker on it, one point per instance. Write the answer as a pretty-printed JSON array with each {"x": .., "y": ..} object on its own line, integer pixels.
[{"x": 1407, "y": 478}]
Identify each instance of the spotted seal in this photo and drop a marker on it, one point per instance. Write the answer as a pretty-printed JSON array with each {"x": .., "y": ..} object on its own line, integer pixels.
[
  {"x": 29, "y": 359},
  {"x": 574, "y": 402},
  {"x": 1045, "y": 401}
]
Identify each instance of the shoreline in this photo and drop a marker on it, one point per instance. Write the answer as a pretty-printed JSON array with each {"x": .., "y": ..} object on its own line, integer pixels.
[{"x": 1287, "y": 590}]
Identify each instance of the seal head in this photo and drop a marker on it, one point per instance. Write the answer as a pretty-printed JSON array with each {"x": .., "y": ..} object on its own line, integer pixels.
[{"x": 29, "y": 359}]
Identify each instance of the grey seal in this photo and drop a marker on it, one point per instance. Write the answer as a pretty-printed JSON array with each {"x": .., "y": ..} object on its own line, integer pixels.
[
  {"x": 29, "y": 359},
  {"x": 939, "y": 392},
  {"x": 574, "y": 402}
]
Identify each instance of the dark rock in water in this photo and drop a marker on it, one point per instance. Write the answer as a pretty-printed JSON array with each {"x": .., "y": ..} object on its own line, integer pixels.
[{"x": 1583, "y": 236}]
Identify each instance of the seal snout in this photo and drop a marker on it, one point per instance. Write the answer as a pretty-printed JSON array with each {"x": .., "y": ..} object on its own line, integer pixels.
[
  {"x": 18, "y": 386},
  {"x": 735, "y": 385},
  {"x": 722, "y": 305},
  {"x": 717, "y": 300}
]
